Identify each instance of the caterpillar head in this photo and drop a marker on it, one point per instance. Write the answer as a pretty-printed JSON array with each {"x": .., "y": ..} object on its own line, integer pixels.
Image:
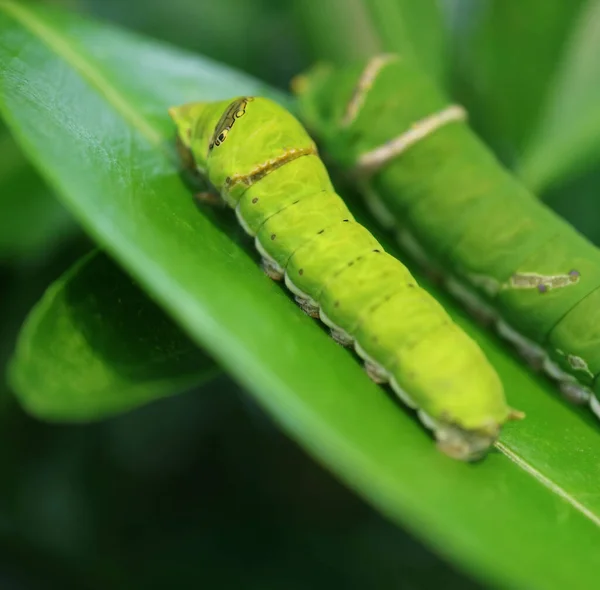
[
  {"x": 311, "y": 90},
  {"x": 320, "y": 103},
  {"x": 196, "y": 122}
]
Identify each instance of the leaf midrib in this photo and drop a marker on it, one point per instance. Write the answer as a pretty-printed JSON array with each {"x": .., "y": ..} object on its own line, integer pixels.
[
  {"x": 155, "y": 137},
  {"x": 547, "y": 482},
  {"x": 57, "y": 44}
]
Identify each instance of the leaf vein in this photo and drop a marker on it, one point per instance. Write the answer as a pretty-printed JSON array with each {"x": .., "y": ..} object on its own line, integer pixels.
[
  {"x": 548, "y": 483},
  {"x": 58, "y": 45}
]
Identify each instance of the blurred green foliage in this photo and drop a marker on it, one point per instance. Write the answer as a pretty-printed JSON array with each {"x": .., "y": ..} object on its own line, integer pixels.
[
  {"x": 259, "y": 37},
  {"x": 201, "y": 489},
  {"x": 507, "y": 59},
  {"x": 32, "y": 222},
  {"x": 96, "y": 345}
]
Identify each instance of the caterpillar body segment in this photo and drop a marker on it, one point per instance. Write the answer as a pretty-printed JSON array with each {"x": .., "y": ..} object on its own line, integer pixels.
[
  {"x": 501, "y": 252},
  {"x": 265, "y": 166}
]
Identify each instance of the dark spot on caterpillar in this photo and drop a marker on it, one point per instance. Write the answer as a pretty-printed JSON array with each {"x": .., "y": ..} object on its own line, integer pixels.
[
  {"x": 345, "y": 220},
  {"x": 336, "y": 304},
  {"x": 542, "y": 288},
  {"x": 228, "y": 180},
  {"x": 378, "y": 251},
  {"x": 411, "y": 285},
  {"x": 296, "y": 202},
  {"x": 255, "y": 200},
  {"x": 351, "y": 263},
  {"x": 320, "y": 232},
  {"x": 301, "y": 271},
  {"x": 272, "y": 236}
]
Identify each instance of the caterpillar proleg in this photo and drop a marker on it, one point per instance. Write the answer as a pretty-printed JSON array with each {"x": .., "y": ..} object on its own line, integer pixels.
[{"x": 265, "y": 166}]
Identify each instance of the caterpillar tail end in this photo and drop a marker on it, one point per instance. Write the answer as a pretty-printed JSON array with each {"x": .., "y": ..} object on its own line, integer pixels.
[
  {"x": 470, "y": 445},
  {"x": 464, "y": 445}
]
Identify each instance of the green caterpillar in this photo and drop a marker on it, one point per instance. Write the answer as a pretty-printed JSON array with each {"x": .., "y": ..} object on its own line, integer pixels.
[
  {"x": 265, "y": 166},
  {"x": 506, "y": 256}
]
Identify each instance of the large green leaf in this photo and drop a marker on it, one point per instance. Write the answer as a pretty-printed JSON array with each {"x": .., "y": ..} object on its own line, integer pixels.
[
  {"x": 32, "y": 221},
  {"x": 95, "y": 345},
  {"x": 88, "y": 104},
  {"x": 567, "y": 139}
]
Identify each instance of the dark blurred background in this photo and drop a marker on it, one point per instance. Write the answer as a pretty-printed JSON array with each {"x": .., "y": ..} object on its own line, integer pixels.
[{"x": 202, "y": 490}]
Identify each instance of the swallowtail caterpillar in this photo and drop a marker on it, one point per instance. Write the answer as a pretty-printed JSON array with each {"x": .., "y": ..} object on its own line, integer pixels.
[
  {"x": 265, "y": 166},
  {"x": 424, "y": 174}
]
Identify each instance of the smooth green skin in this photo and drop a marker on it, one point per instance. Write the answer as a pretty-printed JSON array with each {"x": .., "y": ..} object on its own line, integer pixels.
[
  {"x": 321, "y": 258},
  {"x": 527, "y": 517},
  {"x": 470, "y": 215},
  {"x": 395, "y": 322},
  {"x": 95, "y": 345},
  {"x": 279, "y": 189},
  {"x": 577, "y": 329}
]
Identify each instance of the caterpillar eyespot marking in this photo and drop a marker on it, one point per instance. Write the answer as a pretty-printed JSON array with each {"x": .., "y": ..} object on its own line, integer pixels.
[
  {"x": 468, "y": 222},
  {"x": 235, "y": 111},
  {"x": 338, "y": 272}
]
